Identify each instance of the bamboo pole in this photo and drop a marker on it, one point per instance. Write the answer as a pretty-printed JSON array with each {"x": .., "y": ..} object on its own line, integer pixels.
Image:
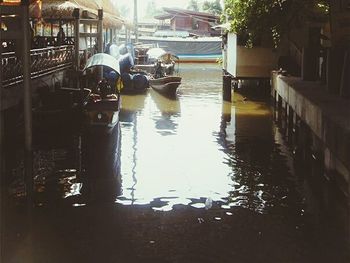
[{"x": 100, "y": 39}]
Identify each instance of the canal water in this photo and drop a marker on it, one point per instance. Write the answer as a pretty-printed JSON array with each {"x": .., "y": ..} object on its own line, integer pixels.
[{"x": 185, "y": 179}]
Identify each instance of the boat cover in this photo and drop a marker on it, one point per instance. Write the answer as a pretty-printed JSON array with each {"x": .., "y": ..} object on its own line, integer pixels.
[
  {"x": 158, "y": 53},
  {"x": 102, "y": 59}
]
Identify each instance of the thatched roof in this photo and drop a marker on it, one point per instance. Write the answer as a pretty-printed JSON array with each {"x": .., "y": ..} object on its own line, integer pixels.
[{"x": 63, "y": 9}]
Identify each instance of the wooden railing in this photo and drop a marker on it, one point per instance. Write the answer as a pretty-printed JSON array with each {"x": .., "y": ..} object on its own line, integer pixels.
[{"x": 44, "y": 61}]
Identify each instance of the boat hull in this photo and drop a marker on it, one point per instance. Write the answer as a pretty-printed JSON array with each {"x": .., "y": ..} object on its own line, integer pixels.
[
  {"x": 103, "y": 114},
  {"x": 166, "y": 85}
]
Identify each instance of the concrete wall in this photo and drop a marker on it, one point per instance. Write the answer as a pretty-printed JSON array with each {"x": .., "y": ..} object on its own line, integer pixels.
[
  {"x": 326, "y": 116},
  {"x": 256, "y": 62}
]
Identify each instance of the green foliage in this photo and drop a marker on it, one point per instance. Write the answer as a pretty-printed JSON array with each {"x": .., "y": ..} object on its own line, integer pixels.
[
  {"x": 193, "y": 5},
  {"x": 253, "y": 19},
  {"x": 212, "y": 7}
]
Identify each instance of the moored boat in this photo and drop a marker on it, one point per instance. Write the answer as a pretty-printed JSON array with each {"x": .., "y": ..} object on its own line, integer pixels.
[
  {"x": 166, "y": 85},
  {"x": 102, "y": 109},
  {"x": 163, "y": 79}
]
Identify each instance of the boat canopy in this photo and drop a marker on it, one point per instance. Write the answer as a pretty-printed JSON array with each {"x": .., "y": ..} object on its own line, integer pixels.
[
  {"x": 102, "y": 59},
  {"x": 158, "y": 53}
]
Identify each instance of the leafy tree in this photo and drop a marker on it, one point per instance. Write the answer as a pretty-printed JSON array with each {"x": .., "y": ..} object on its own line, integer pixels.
[
  {"x": 193, "y": 5},
  {"x": 212, "y": 7},
  {"x": 252, "y": 19}
]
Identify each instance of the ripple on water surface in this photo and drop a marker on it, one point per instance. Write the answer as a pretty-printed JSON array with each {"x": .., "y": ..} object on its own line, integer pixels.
[{"x": 191, "y": 179}]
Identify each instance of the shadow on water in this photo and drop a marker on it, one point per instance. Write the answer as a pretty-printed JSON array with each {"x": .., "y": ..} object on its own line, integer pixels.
[{"x": 76, "y": 176}]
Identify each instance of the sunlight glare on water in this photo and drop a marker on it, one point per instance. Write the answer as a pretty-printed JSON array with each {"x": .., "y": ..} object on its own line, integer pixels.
[{"x": 170, "y": 148}]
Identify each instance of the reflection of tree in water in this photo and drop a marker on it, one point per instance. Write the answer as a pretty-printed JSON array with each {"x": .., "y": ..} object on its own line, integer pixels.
[{"x": 261, "y": 178}]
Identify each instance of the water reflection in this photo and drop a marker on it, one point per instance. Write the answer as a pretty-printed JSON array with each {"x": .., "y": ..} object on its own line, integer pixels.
[
  {"x": 102, "y": 163},
  {"x": 188, "y": 180},
  {"x": 221, "y": 154},
  {"x": 169, "y": 108},
  {"x": 76, "y": 168},
  {"x": 170, "y": 170},
  {"x": 218, "y": 151}
]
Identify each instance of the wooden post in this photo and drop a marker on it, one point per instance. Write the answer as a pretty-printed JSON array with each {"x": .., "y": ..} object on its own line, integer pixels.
[
  {"x": 91, "y": 45},
  {"x": 279, "y": 110},
  {"x": 2, "y": 155},
  {"x": 290, "y": 124},
  {"x": 335, "y": 55},
  {"x": 135, "y": 22},
  {"x": 100, "y": 39},
  {"x": 27, "y": 106},
  {"x": 76, "y": 15},
  {"x": 111, "y": 35},
  {"x": 67, "y": 32},
  {"x": 311, "y": 55},
  {"x": 345, "y": 78},
  {"x": 226, "y": 89},
  {"x": 27, "y": 99}
]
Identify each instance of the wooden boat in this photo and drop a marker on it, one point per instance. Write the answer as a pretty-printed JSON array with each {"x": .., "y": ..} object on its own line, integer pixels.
[
  {"x": 166, "y": 85},
  {"x": 163, "y": 80},
  {"x": 102, "y": 109}
]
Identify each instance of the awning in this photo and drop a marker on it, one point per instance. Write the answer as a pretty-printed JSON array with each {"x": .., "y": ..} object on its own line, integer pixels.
[{"x": 102, "y": 59}]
